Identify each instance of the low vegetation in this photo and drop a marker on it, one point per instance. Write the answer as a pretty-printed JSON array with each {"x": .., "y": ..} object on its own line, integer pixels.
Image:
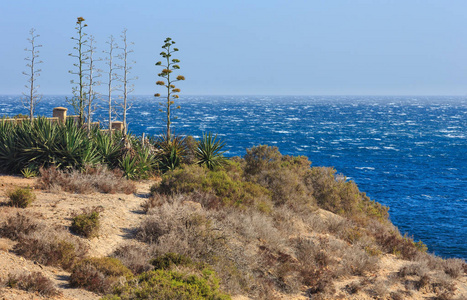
[
  {"x": 21, "y": 197},
  {"x": 90, "y": 180},
  {"x": 165, "y": 284},
  {"x": 28, "y": 146},
  {"x": 99, "y": 275},
  {"x": 32, "y": 282},
  {"x": 51, "y": 247},
  {"x": 87, "y": 223},
  {"x": 41, "y": 243},
  {"x": 262, "y": 225}
]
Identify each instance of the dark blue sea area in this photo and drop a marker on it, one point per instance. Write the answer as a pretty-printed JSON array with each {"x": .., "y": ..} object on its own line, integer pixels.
[{"x": 409, "y": 153}]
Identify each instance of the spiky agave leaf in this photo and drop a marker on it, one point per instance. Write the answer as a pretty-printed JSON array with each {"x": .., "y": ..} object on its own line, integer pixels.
[
  {"x": 209, "y": 151},
  {"x": 36, "y": 143},
  {"x": 110, "y": 148},
  {"x": 8, "y": 147},
  {"x": 74, "y": 148}
]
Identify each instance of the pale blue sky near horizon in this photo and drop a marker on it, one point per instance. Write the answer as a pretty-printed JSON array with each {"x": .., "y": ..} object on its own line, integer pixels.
[{"x": 255, "y": 47}]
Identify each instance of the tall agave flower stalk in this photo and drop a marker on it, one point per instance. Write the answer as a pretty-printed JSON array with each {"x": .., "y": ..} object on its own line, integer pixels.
[{"x": 167, "y": 81}]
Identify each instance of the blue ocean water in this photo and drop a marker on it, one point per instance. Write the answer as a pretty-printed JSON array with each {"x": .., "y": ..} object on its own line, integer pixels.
[{"x": 409, "y": 153}]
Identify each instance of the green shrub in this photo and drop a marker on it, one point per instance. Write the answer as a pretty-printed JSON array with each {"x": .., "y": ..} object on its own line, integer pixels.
[
  {"x": 283, "y": 175},
  {"x": 166, "y": 261},
  {"x": 226, "y": 190},
  {"x": 86, "y": 224},
  {"x": 261, "y": 158},
  {"x": 99, "y": 275},
  {"x": 343, "y": 197},
  {"x": 167, "y": 284},
  {"x": 21, "y": 197}
]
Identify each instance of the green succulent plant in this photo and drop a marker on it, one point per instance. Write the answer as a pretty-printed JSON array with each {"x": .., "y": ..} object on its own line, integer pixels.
[{"x": 209, "y": 151}]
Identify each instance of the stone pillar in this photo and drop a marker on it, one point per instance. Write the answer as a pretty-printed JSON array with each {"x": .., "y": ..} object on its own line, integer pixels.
[
  {"x": 117, "y": 125},
  {"x": 60, "y": 113}
]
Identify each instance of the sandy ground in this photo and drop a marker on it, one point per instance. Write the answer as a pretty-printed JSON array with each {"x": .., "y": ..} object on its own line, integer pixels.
[{"x": 121, "y": 214}]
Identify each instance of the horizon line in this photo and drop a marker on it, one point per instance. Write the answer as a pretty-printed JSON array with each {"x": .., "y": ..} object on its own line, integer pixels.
[{"x": 276, "y": 95}]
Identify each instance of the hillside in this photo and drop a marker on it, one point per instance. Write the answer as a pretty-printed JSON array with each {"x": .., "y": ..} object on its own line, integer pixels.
[{"x": 224, "y": 228}]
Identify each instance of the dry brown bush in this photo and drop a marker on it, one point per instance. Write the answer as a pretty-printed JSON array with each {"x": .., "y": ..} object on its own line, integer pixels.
[
  {"x": 418, "y": 269},
  {"x": 444, "y": 287},
  {"x": 254, "y": 226},
  {"x": 196, "y": 233},
  {"x": 380, "y": 289},
  {"x": 92, "y": 179},
  {"x": 135, "y": 257},
  {"x": 397, "y": 295},
  {"x": 51, "y": 247},
  {"x": 391, "y": 241},
  {"x": 16, "y": 225},
  {"x": 154, "y": 200},
  {"x": 99, "y": 274},
  {"x": 32, "y": 282},
  {"x": 183, "y": 229},
  {"x": 357, "y": 262},
  {"x": 354, "y": 287},
  {"x": 454, "y": 267}
]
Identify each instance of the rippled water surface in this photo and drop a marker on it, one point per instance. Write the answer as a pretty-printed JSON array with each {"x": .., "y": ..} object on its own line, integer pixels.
[{"x": 409, "y": 153}]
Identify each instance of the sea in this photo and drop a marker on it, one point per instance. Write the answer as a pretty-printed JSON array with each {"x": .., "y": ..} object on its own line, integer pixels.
[{"x": 408, "y": 153}]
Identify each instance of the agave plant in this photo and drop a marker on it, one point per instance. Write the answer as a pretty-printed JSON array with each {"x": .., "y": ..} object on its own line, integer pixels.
[
  {"x": 36, "y": 143},
  {"x": 74, "y": 149},
  {"x": 8, "y": 146},
  {"x": 209, "y": 151},
  {"x": 29, "y": 172},
  {"x": 109, "y": 147},
  {"x": 171, "y": 152}
]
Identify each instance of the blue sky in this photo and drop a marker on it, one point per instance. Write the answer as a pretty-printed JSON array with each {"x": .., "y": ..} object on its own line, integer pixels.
[{"x": 267, "y": 47}]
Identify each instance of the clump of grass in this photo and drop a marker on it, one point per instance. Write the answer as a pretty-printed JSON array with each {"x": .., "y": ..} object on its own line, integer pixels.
[
  {"x": 32, "y": 282},
  {"x": 99, "y": 275},
  {"x": 92, "y": 179},
  {"x": 87, "y": 223},
  {"x": 21, "y": 197},
  {"x": 29, "y": 172}
]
